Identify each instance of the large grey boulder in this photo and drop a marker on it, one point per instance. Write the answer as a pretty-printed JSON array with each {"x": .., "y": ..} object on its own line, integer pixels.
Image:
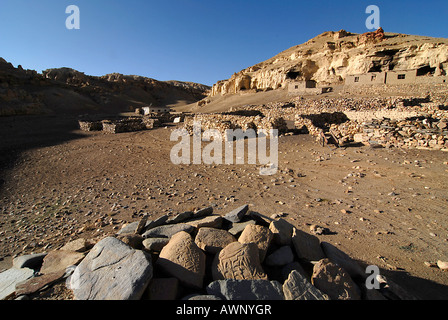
[
  {"x": 246, "y": 289},
  {"x": 112, "y": 271},
  {"x": 10, "y": 278}
]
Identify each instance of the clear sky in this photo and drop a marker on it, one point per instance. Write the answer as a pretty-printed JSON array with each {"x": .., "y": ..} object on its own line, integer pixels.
[{"x": 189, "y": 40}]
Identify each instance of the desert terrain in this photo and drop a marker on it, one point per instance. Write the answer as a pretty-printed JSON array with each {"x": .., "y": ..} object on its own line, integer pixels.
[
  {"x": 383, "y": 207},
  {"x": 384, "y": 203}
]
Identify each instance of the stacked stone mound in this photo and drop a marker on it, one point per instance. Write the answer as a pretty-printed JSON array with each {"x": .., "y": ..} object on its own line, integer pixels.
[
  {"x": 242, "y": 255},
  {"x": 223, "y": 122},
  {"x": 130, "y": 124},
  {"x": 86, "y": 125},
  {"x": 123, "y": 125}
]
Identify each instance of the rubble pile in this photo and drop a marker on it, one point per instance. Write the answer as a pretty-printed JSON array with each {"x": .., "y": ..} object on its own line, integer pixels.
[
  {"x": 223, "y": 122},
  {"x": 200, "y": 255}
]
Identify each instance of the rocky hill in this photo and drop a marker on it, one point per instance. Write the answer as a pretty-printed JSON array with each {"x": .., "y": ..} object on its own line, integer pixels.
[
  {"x": 69, "y": 91},
  {"x": 331, "y": 56}
]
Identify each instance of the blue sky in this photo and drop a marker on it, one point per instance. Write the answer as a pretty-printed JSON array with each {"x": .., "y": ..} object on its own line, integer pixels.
[{"x": 189, "y": 40}]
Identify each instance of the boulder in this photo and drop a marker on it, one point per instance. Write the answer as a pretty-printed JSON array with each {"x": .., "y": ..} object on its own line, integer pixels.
[
  {"x": 343, "y": 260},
  {"x": 155, "y": 244},
  {"x": 334, "y": 281},
  {"x": 10, "y": 278},
  {"x": 238, "y": 227},
  {"x": 181, "y": 258},
  {"x": 240, "y": 261},
  {"x": 259, "y": 235},
  {"x": 32, "y": 261},
  {"x": 307, "y": 246},
  {"x": 282, "y": 231},
  {"x": 167, "y": 231},
  {"x": 112, "y": 271},
  {"x": 78, "y": 245},
  {"x": 59, "y": 260},
  {"x": 213, "y": 240},
  {"x": 298, "y": 287},
  {"x": 232, "y": 289},
  {"x": 237, "y": 214},
  {"x": 210, "y": 221}
]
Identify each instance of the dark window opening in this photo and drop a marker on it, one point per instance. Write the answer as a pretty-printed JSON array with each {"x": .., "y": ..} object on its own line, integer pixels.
[
  {"x": 376, "y": 68},
  {"x": 293, "y": 75},
  {"x": 401, "y": 76},
  {"x": 423, "y": 71},
  {"x": 373, "y": 77},
  {"x": 297, "y": 87},
  {"x": 356, "y": 79}
]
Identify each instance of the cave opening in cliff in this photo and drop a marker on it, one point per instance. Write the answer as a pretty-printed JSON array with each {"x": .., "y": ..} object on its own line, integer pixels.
[
  {"x": 293, "y": 75},
  {"x": 423, "y": 71}
]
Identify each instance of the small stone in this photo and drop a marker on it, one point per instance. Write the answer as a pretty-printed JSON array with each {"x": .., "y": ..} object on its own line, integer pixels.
[
  {"x": 59, "y": 260},
  {"x": 210, "y": 222},
  {"x": 343, "y": 260},
  {"x": 430, "y": 264},
  {"x": 133, "y": 240},
  {"x": 238, "y": 227},
  {"x": 167, "y": 231},
  {"x": 443, "y": 265},
  {"x": 213, "y": 240},
  {"x": 180, "y": 217},
  {"x": 155, "y": 244},
  {"x": 237, "y": 214},
  {"x": 35, "y": 284},
  {"x": 79, "y": 245}
]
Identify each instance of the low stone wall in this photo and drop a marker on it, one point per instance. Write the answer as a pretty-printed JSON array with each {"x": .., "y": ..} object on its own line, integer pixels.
[
  {"x": 124, "y": 125},
  {"x": 222, "y": 122}
]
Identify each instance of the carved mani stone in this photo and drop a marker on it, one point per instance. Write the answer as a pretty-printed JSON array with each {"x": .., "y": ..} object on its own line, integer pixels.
[{"x": 239, "y": 261}]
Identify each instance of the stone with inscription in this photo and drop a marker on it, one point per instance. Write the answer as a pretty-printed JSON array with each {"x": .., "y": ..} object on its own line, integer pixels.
[
  {"x": 181, "y": 258},
  {"x": 240, "y": 261}
]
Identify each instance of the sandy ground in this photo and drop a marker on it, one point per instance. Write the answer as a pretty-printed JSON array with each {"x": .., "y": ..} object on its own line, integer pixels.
[{"x": 383, "y": 207}]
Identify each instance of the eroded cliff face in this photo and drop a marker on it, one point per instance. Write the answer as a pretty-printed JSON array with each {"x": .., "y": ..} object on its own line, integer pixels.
[
  {"x": 67, "y": 91},
  {"x": 331, "y": 56}
]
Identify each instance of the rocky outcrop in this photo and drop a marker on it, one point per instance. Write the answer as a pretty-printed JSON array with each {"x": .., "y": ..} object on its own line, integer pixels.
[
  {"x": 331, "y": 56},
  {"x": 68, "y": 91}
]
